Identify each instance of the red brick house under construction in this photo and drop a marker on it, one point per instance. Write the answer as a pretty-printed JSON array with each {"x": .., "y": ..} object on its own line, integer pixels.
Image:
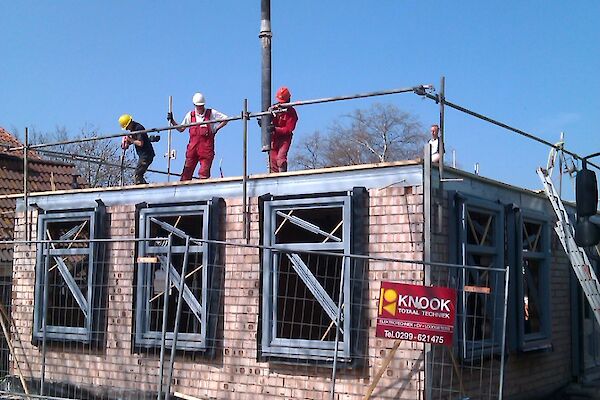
[{"x": 289, "y": 313}]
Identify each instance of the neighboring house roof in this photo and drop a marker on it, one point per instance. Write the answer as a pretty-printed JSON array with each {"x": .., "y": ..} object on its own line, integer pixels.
[
  {"x": 7, "y": 141},
  {"x": 43, "y": 175}
]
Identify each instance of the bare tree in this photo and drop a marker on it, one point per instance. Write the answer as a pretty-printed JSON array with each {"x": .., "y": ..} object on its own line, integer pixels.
[
  {"x": 98, "y": 162},
  {"x": 310, "y": 152},
  {"x": 379, "y": 134}
]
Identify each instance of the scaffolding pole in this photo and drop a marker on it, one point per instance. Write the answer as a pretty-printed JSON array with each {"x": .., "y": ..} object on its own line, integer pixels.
[
  {"x": 260, "y": 247},
  {"x": 117, "y": 135},
  {"x": 413, "y": 89},
  {"x": 45, "y": 294},
  {"x": 337, "y": 328},
  {"x": 441, "y": 149},
  {"x": 25, "y": 179},
  {"x": 245, "y": 178},
  {"x": 164, "y": 320},
  {"x": 98, "y": 160},
  {"x": 177, "y": 316},
  {"x": 419, "y": 89},
  {"x": 505, "y": 126},
  {"x": 122, "y": 167},
  {"x": 245, "y": 115},
  {"x": 169, "y": 138}
]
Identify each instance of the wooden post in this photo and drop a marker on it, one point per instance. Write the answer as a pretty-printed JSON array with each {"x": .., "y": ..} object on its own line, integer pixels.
[
  {"x": 5, "y": 331},
  {"x": 379, "y": 373}
]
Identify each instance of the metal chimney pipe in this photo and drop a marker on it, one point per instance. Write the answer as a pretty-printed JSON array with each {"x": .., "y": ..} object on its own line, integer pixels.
[{"x": 265, "y": 39}]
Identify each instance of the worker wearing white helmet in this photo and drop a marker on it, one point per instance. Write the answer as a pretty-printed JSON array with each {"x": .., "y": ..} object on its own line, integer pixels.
[{"x": 201, "y": 147}]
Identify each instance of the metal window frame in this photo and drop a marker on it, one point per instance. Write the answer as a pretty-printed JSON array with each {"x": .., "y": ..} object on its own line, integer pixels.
[
  {"x": 63, "y": 333},
  {"x": 542, "y": 339},
  {"x": 471, "y": 349},
  {"x": 144, "y": 337},
  {"x": 271, "y": 345}
]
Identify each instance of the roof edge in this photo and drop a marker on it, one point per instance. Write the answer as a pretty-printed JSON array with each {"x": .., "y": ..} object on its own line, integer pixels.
[{"x": 228, "y": 179}]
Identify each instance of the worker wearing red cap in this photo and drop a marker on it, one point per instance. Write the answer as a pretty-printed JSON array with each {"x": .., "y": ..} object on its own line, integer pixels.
[
  {"x": 201, "y": 147},
  {"x": 283, "y": 125}
]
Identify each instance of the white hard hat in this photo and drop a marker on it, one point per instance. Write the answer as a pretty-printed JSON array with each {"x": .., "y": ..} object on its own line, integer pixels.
[{"x": 198, "y": 99}]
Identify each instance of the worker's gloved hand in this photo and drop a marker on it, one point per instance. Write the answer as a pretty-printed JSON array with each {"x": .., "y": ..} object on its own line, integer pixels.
[
  {"x": 170, "y": 117},
  {"x": 124, "y": 142}
]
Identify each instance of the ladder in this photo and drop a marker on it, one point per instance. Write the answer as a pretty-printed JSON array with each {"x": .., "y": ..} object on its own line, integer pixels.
[{"x": 579, "y": 259}]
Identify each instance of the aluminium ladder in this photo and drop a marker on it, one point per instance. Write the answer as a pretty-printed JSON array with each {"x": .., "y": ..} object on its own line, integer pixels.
[{"x": 579, "y": 259}]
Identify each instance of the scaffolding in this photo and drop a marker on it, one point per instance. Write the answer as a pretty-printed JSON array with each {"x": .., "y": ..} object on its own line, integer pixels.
[
  {"x": 245, "y": 116},
  {"x": 333, "y": 304},
  {"x": 423, "y": 90},
  {"x": 174, "y": 296}
]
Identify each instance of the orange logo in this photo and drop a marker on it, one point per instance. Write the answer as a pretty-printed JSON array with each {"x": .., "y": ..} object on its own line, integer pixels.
[{"x": 388, "y": 301}]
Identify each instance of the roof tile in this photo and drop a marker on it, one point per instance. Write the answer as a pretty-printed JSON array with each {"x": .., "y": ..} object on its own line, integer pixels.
[{"x": 41, "y": 173}]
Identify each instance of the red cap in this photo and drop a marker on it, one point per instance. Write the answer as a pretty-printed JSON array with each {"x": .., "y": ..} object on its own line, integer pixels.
[{"x": 283, "y": 95}]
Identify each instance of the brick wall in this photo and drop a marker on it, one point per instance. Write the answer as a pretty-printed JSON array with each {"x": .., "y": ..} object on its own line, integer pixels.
[{"x": 395, "y": 229}]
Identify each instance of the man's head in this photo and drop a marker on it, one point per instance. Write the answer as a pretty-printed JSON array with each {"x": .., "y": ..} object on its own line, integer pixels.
[
  {"x": 199, "y": 101},
  {"x": 435, "y": 129},
  {"x": 283, "y": 95},
  {"x": 125, "y": 121}
]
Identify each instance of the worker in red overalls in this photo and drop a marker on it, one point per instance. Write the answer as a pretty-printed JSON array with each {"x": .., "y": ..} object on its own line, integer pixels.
[
  {"x": 201, "y": 147},
  {"x": 282, "y": 128}
]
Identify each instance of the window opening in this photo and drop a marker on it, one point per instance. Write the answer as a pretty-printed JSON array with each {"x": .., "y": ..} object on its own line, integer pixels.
[
  {"x": 74, "y": 289},
  {"x": 301, "y": 290},
  {"x": 309, "y": 311},
  {"x": 154, "y": 264},
  {"x": 191, "y": 316},
  {"x": 531, "y": 241},
  {"x": 481, "y": 235},
  {"x": 481, "y": 228},
  {"x": 68, "y": 277},
  {"x": 533, "y": 283},
  {"x": 310, "y": 225}
]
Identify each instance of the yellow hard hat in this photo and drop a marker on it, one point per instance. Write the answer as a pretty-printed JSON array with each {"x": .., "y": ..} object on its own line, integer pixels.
[{"x": 125, "y": 120}]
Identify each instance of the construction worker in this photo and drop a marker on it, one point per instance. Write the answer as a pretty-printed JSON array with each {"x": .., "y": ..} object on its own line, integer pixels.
[
  {"x": 434, "y": 143},
  {"x": 201, "y": 147},
  {"x": 143, "y": 146},
  {"x": 282, "y": 128}
]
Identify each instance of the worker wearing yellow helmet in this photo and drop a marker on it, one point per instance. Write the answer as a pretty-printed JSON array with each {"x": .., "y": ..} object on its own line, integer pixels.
[{"x": 142, "y": 143}]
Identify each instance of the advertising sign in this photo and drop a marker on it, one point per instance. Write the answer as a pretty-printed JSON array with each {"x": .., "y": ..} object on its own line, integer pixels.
[{"x": 416, "y": 313}]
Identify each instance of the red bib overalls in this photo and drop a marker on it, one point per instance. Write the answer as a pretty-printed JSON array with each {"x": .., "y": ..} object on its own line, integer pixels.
[
  {"x": 284, "y": 124},
  {"x": 201, "y": 148}
]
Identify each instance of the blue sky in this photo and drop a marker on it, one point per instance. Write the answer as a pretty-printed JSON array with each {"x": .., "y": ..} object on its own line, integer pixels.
[{"x": 531, "y": 64}]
